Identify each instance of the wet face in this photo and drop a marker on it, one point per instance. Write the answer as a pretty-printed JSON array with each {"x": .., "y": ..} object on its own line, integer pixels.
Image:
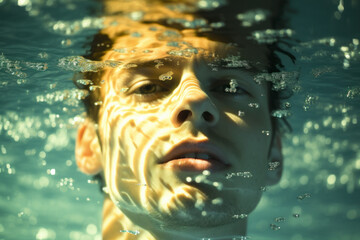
[{"x": 184, "y": 139}]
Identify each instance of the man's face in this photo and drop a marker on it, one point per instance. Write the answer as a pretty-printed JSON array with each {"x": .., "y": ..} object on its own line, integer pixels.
[{"x": 184, "y": 139}]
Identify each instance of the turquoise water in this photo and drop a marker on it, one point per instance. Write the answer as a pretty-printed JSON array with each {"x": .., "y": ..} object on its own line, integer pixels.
[{"x": 44, "y": 196}]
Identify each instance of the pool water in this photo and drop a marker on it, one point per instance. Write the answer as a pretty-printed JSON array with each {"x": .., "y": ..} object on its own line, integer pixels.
[{"x": 44, "y": 196}]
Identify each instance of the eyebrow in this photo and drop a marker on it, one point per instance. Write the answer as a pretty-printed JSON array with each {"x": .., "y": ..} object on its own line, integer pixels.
[{"x": 148, "y": 67}]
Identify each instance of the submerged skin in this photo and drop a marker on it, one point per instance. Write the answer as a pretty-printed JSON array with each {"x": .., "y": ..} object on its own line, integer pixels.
[{"x": 159, "y": 102}]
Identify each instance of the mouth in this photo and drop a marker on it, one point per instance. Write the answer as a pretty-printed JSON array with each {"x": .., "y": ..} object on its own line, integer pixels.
[{"x": 195, "y": 156}]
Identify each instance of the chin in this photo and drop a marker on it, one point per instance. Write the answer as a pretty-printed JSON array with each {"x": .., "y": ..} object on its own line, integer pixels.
[{"x": 187, "y": 207}]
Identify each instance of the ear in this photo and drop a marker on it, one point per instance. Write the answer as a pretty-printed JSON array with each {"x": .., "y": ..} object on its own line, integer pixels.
[
  {"x": 87, "y": 149},
  {"x": 275, "y": 163}
]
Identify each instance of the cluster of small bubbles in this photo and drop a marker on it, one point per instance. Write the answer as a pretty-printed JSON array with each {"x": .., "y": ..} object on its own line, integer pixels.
[
  {"x": 273, "y": 165},
  {"x": 134, "y": 232},
  {"x": 43, "y": 55},
  {"x": 353, "y": 92},
  {"x": 233, "y": 86},
  {"x": 92, "y": 181},
  {"x": 317, "y": 72},
  {"x": 210, "y": 4},
  {"x": 309, "y": 101},
  {"x": 37, "y": 66},
  {"x": 65, "y": 96},
  {"x": 330, "y": 41},
  {"x": 166, "y": 76},
  {"x": 66, "y": 42},
  {"x": 279, "y": 80},
  {"x": 20, "y": 128},
  {"x": 93, "y": 87},
  {"x": 240, "y": 216},
  {"x": 281, "y": 113},
  {"x": 251, "y": 17},
  {"x": 274, "y": 227},
  {"x": 84, "y": 82},
  {"x": 254, "y": 105},
  {"x": 196, "y": 23},
  {"x": 241, "y": 113},
  {"x": 66, "y": 183},
  {"x": 234, "y": 61},
  {"x": 12, "y": 67},
  {"x": 7, "y": 169},
  {"x": 303, "y": 196},
  {"x": 340, "y": 9},
  {"x": 266, "y": 132},
  {"x": 217, "y": 24},
  {"x": 158, "y": 64},
  {"x": 239, "y": 174},
  {"x": 74, "y": 27},
  {"x": 279, "y": 219},
  {"x": 269, "y": 36},
  {"x": 187, "y": 52},
  {"x": 81, "y": 64},
  {"x": 263, "y": 189}
]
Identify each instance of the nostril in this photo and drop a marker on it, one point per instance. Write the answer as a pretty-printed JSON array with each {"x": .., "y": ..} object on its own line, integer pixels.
[
  {"x": 208, "y": 116},
  {"x": 183, "y": 116}
]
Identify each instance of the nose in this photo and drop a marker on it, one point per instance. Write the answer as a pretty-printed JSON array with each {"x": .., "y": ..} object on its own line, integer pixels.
[{"x": 194, "y": 105}]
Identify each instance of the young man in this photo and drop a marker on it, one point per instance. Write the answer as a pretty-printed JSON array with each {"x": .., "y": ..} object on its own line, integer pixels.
[{"x": 179, "y": 124}]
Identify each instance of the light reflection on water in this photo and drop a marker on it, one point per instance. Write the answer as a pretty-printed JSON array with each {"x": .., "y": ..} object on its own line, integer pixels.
[{"x": 45, "y": 197}]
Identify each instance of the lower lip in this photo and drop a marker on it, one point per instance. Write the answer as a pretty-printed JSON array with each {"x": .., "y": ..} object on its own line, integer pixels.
[{"x": 194, "y": 165}]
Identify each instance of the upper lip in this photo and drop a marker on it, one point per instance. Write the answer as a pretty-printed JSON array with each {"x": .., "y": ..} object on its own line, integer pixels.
[{"x": 195, "y": 146}]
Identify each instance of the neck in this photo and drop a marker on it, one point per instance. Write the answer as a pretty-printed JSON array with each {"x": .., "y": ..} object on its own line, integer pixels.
[{"x": 117, "y": 226}]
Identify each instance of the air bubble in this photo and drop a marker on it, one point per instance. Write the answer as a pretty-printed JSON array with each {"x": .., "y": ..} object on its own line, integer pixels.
[
  {"x": 134, "y": 232},
  {"x": 166, "y": 76},
  {"x": 254, "y": 105},
  {"x": 280, "y": 219},
  {"x": 241, "y": 216},
  {"x": 206, "y": 172},
  {"x": 274, "y": 227},
  {"x": 266, "y": 132},
  {"x": 296, "y": 215},
  {"x": 217, "y": 201},
  {"x": 241, "y": 113},
  {"x": 84, "y": 82},
  {"x": 303, "y": 196},
  {"x": 273, "y": 165}
]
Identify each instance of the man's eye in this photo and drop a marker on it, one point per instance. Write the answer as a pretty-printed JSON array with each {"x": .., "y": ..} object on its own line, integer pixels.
[{"x": 149, "y": 88}]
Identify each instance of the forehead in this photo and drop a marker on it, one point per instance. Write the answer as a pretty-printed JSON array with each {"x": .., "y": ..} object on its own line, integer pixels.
[{"x": 138, "y": 43}]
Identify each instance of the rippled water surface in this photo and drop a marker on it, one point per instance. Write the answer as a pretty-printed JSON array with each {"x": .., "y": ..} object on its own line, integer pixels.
[{"x": 44, "y": 196}]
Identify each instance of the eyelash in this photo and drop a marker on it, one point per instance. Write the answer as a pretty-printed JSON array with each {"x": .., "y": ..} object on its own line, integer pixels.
[{"x": 157, "y": 90}]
